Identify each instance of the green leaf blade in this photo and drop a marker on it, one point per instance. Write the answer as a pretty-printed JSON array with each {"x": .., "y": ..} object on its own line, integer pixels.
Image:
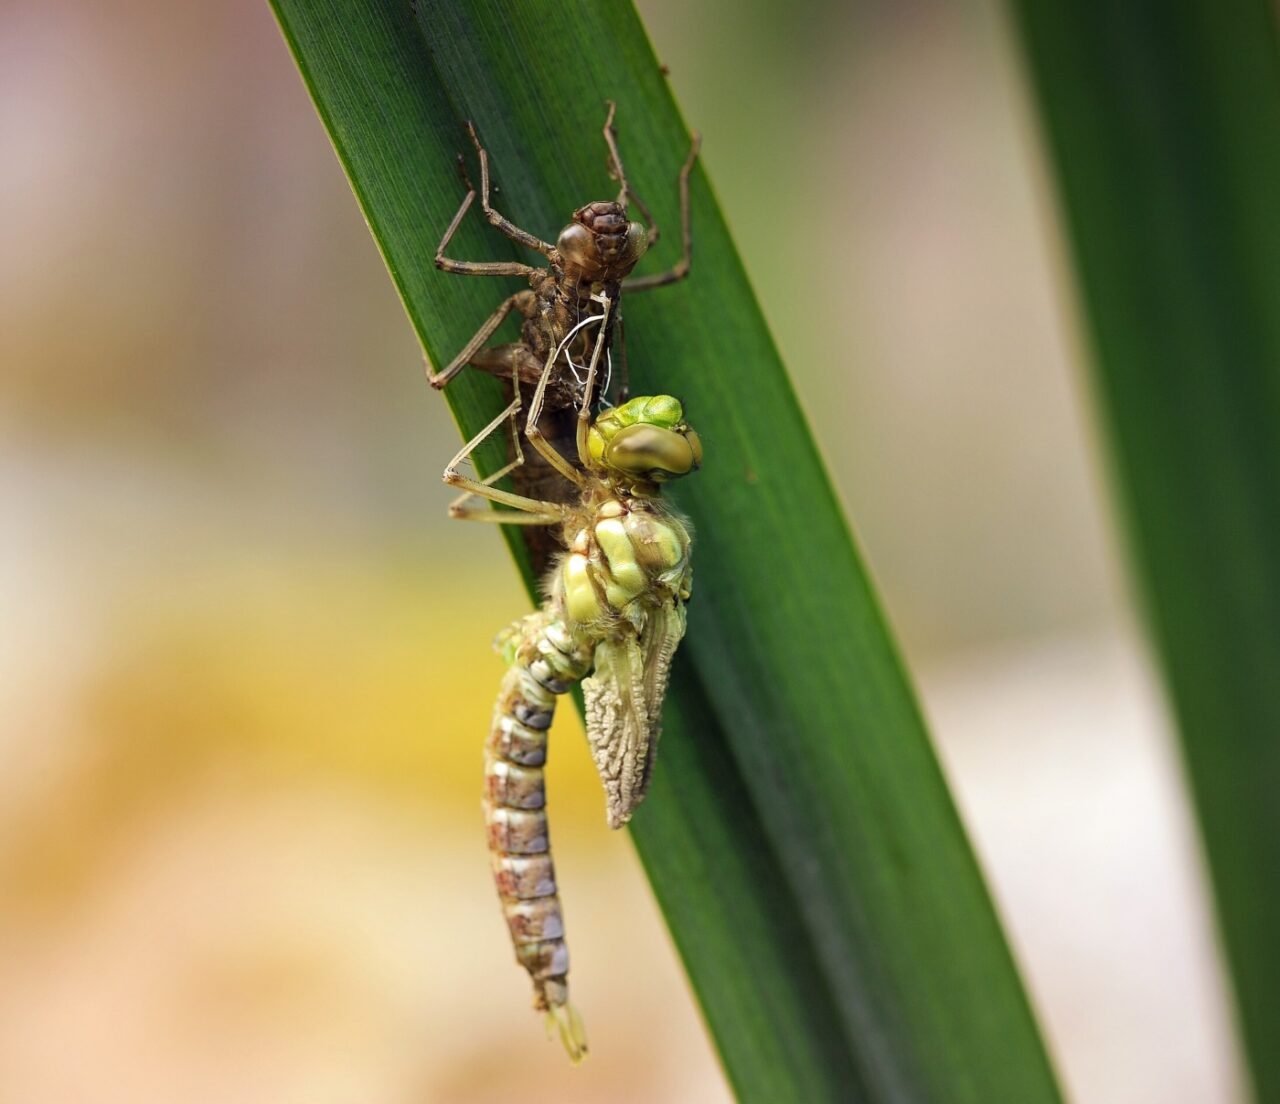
[{"x": 799, "y": 835}]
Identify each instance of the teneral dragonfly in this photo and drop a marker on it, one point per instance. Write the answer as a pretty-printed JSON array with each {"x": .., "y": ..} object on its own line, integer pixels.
[{"x": 612, "y": 619}]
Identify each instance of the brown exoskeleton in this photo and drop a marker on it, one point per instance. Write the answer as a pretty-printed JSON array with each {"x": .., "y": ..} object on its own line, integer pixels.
[{"x": 571, "y": 314}]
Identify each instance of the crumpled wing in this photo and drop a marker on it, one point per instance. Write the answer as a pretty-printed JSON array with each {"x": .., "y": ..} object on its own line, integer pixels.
[
  {"x": 662, "y": 635},
  {"x": 618, "y": 724},
  {"x": 623, "y": 699}
]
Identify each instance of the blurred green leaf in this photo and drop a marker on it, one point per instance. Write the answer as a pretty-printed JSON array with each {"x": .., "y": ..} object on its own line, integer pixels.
[
  {"x": 1164, "y": 123},
  {"x": 799, "y": 835}
]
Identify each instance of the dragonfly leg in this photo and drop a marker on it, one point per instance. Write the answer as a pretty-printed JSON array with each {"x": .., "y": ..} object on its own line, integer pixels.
[
  {"x": 584, "y": 411},
  {"x": 625, "y": 195},
  {"x": 534, "y": 435},
  {"x": 533, "y": 507},
  {"x": 495, "y": 219},
  {"x": 461, "y": 511},
  {"x": 680, "y": 269},
  {"x": 474, "y": 268},
  {"x": 521, "y": 299}
]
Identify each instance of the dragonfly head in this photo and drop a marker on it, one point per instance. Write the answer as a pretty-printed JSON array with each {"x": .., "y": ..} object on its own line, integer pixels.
[
  {"x": 602, "y": 242},
  {"x": 645, "y": 440}
]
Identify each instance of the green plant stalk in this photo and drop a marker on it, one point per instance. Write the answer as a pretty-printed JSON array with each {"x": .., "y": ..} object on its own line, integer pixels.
[
  {"x": 799, "y": 835},
  {"x": 1163, "y": 121}
]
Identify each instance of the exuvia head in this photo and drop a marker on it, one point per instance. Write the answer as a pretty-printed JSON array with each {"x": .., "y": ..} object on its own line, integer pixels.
[
  {"x": 602, "y": 239},
  {"x": 645, "y": 439}
]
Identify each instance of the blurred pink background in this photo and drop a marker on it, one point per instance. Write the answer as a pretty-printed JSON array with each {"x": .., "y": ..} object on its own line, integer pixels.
[{"x": 244, "y": 659}]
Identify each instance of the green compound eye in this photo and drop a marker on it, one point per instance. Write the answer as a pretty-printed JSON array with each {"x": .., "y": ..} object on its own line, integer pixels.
[
  {"x": 652, "y": 452},
  {"x": 645, "y": 437},
  {"x": 695, "y": 443}
]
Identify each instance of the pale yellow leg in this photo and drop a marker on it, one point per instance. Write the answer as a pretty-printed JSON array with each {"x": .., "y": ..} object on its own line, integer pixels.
[
  {"x": 535, "y": 508},
  {"x": 534, "y": 435}
]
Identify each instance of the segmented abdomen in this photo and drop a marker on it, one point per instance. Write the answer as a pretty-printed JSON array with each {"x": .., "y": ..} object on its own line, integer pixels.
[{"x": 545, "y": 661}]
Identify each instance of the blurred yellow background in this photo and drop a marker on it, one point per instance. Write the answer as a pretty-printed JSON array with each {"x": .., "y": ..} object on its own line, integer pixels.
[{"x": 246, "y": 670}]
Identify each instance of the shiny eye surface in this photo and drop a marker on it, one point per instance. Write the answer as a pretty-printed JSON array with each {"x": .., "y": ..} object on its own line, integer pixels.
[
  {"x": 695, "y": 443},
  {"x": 576, "y": 245},
  {"x": 653, "y": 453},
  {"x": 637, "y": 240}
]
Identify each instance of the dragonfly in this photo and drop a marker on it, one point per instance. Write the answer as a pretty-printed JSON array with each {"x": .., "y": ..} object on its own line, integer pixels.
[
  {"x": 612, "y": 620},
  {"x": 591, "y": 261}
]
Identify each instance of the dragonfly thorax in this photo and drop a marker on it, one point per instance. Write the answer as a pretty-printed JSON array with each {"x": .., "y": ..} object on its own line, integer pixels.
[{"x": 630, "y": 554}]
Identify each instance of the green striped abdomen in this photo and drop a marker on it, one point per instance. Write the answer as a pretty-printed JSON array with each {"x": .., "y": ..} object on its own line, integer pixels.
[{"x": 545, "y": 661}]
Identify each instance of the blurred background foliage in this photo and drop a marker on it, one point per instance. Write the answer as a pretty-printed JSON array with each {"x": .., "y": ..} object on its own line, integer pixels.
[
  {"x": 229, "y": 577},
  {"x": 1168, "y": 166}
]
